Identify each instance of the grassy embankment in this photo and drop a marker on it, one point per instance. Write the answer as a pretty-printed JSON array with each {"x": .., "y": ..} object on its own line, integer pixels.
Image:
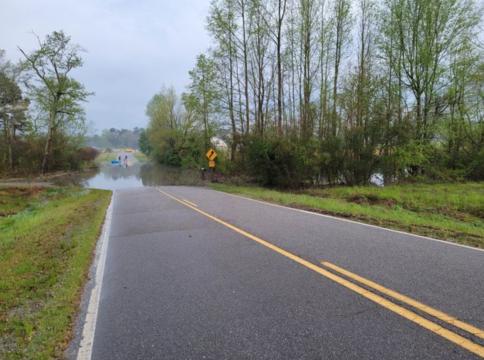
[
  {"x": 47, "y": 238},
  {"x": 142, "y": 158},
  {"x": 107, "y": 156},
  {"x": 453, "y": 212}
]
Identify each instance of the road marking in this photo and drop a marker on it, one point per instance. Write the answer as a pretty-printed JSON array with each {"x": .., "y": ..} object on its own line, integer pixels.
[
  {"x": 193, "y": 204},
  {"x": 409, "y": 301},
  {"x": 443, "y": 242},
  {"x": 409, "y": 315},
  {"x": 89, "y": 328}
]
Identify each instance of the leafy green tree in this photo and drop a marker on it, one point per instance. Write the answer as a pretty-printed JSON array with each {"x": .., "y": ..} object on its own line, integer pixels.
[
  {"x": 280, "y": 79},
  {"x": 143, "y": 143},
  {"x": 56, "y": 92},
  {"x": 175, "y": 134},
  {"x": 204, "y": 93},
  {"x": 428, "y": 32}
]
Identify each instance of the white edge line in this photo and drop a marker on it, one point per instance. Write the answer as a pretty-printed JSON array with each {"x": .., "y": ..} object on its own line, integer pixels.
[
  {"x": 351, "y": 221},
  {"x": 89, "y": 328}
]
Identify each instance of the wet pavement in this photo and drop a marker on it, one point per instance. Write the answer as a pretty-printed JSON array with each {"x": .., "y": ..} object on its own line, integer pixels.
[
  {"x": 183, "y": 280},
  {"x": 187, "y": 278}
]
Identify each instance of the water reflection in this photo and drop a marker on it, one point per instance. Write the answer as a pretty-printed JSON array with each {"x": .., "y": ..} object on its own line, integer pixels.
[{"x": 114, "y": 176}]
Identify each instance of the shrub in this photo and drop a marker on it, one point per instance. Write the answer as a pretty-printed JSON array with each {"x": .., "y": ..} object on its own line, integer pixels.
[
  {"x": 476, "y": 166},
  {"x": 275, "y": 162},
  {"x": 88, "y": 153}
]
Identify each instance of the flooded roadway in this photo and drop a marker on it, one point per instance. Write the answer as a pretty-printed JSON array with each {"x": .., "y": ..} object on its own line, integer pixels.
[{"x": 137, "y": 174}]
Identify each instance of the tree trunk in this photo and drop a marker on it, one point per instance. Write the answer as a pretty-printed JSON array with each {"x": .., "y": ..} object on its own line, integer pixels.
[
  {"x": 48, "y": 146},
  {"x": 418, "y": 98},
  {"x": 281, "y": 13},
  {"x": 246, "y": 70},
  {"x": 8, "y": 141},
  {"x": 231, "y": 100}
]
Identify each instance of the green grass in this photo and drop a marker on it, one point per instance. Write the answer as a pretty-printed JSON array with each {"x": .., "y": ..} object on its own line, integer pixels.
[
  {"x": 106, "y": 157},
  {"x": 13, "y": 200},
  {"x": 140, "y": 156},
  {"x": 46, "y": 246},
  {"x": 453, "y": 212}
]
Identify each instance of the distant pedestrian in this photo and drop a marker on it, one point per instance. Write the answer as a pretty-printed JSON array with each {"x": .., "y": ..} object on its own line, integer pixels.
[{"x": 126, "y": 160}]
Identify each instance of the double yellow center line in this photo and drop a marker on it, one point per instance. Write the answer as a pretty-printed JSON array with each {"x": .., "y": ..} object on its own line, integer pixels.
[{"x": 356, "y": 288}]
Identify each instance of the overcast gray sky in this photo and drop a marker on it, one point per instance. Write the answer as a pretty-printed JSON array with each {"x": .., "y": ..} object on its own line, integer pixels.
[{"x": 133, "y": 47}]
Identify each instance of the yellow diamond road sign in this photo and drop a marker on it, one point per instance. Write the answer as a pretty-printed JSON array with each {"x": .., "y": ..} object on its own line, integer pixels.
[{"x": 211, "y": 154}]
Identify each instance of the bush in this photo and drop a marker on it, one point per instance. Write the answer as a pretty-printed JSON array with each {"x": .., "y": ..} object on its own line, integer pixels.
[
  {"x": 275, "y": 162},
  {"x": 331, "y": 159},
  {"x": 476, "y": 166},
  {"x": 67, "y": 153},
  {"x": 88, "y": 153}
]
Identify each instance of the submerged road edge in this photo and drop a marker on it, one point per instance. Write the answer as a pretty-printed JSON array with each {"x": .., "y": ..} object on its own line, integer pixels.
[{"x": 89, "y": 325}]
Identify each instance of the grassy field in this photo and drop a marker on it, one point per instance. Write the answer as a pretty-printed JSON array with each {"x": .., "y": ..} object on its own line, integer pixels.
[
  {"x": 113, "y": 155},
  {"x": 453, "y": 212},
  {"x": 140, "y": 156},
  {"x": 47, "y": 238},
  {"x": 106, "y": 157}
]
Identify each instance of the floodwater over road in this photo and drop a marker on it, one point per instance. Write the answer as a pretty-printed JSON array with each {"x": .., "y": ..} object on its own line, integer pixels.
[{"x": 136, "y": 174}]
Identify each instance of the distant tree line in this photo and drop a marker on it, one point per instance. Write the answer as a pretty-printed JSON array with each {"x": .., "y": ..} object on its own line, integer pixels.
[
  {"x": 41, "y": 108},
  {"x": 115, "y": 138},
  {"x": 333, "y": 91}
]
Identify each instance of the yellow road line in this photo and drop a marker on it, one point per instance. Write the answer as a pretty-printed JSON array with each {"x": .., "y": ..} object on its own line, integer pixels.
[
  {"x": 427, "y": 324},
  {"x": 407, "y": 300},
  {"x": 189, "y": 202}
]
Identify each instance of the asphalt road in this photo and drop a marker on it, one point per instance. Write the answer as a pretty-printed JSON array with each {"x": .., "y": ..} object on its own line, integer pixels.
[{"x": 223, "y": 277}]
